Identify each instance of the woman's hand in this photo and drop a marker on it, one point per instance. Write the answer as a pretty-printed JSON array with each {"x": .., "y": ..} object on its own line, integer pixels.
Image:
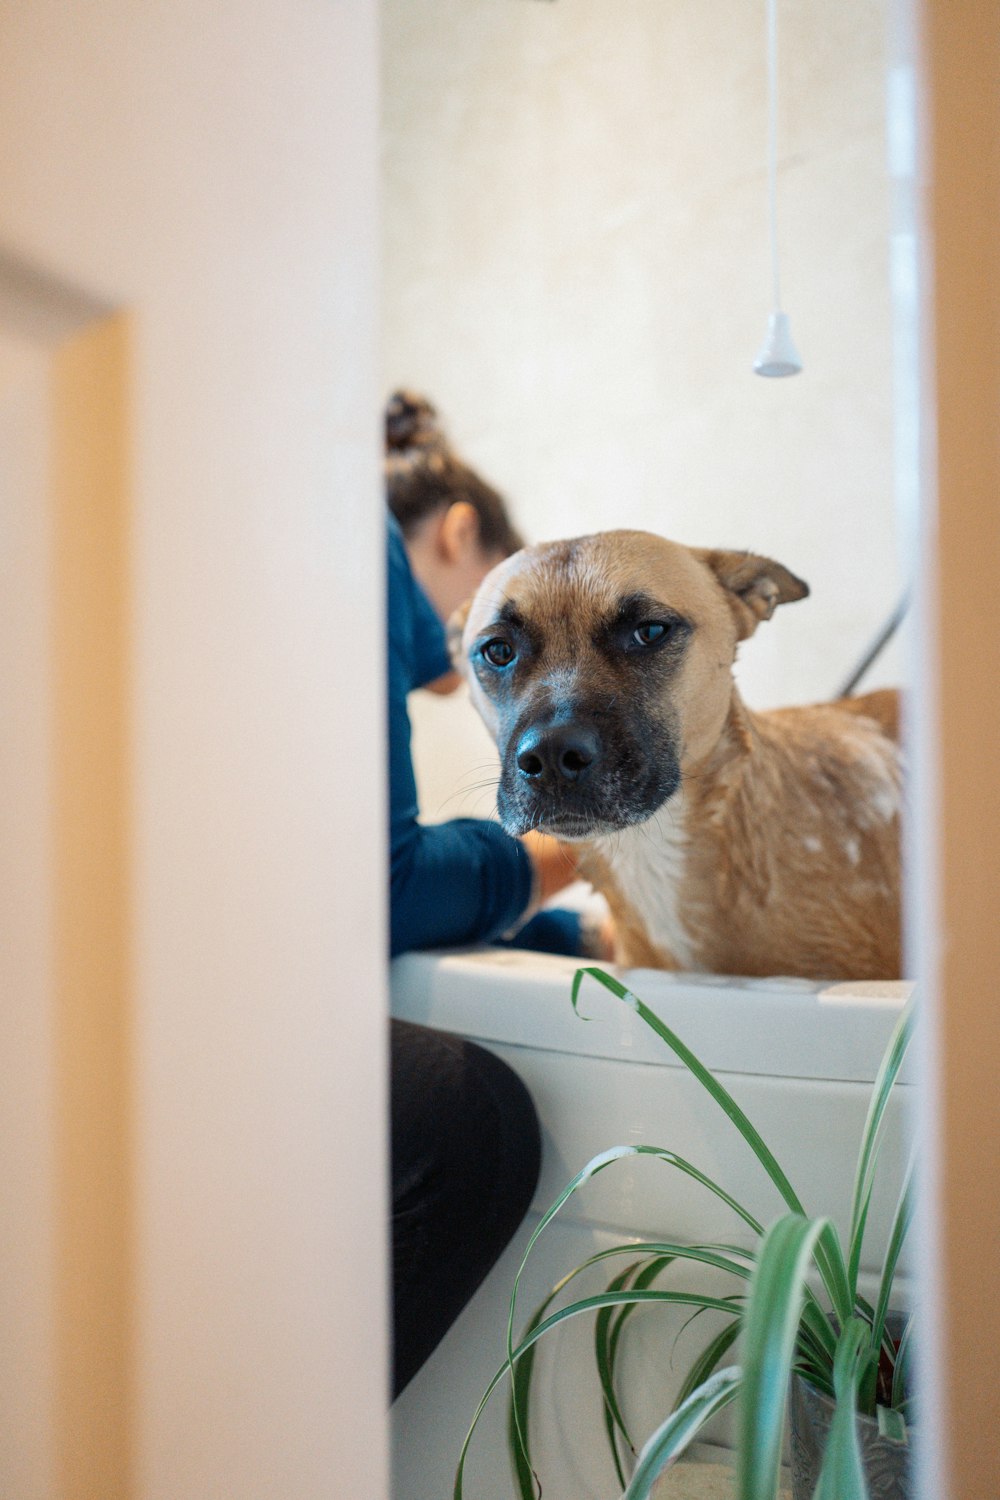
[
  {"x": 449, "y": 683},
  {"x": 554, "y": 864},
  {"x": 601, "y": 941}
]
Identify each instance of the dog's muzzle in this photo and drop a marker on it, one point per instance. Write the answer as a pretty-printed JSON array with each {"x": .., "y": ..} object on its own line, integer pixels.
[
  {"x": 552, "y": 777},
  {"x": 577, "y": 779},
  {"x": 559, "y": 754}
]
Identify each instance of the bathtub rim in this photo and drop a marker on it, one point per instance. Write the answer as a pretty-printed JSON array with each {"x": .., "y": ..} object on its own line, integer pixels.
[{"x": 790, "y": 1027}]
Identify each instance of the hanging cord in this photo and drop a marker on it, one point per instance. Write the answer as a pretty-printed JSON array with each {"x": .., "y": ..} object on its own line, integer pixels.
[
  {"x": 876, "y": 648},
  {"x": 772, "y": 143},
  {"x": 778, "y": 355}
]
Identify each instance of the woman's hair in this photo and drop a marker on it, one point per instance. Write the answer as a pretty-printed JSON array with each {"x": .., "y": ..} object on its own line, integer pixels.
[{"x": 423, "y": 475}]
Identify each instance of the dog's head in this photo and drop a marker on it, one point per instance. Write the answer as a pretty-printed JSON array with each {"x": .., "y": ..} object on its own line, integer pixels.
[{"x": 603, "y": 668}]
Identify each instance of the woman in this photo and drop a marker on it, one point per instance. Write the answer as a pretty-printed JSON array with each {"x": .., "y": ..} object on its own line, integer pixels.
[
  {"x": 465, "y": 1139},
  {"x": 464, "y": 881}
]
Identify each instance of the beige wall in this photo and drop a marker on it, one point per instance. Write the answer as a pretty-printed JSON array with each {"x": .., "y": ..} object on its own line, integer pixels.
[
  {"x": 27, "y": 1022},
  {"x": 576, "y": 269},
  {"x": 93, "y": 904},
  {"x": 192, "y": 959},
  {"x": 958, "y": 733}
]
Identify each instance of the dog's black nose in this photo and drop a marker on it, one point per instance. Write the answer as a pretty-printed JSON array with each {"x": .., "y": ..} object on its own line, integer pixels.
[{"x": 566, "y": 751}]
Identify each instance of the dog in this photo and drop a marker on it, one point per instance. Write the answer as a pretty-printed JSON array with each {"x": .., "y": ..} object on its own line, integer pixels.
[{"x": 725, "y": 841}]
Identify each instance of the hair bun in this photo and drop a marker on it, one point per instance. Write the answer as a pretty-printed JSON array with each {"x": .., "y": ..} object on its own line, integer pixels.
[{"x": 411, "y": 422}]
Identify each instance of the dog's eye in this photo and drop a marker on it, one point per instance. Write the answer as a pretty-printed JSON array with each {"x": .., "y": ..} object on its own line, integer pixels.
[
  {"x": 650, "y": 632},
  {"x": 498, "y": 652}
]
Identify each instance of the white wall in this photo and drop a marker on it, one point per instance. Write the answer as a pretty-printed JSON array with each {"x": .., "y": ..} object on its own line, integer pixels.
[
  {"x": 576, "y": 270},
  {"x": 208, "y": 175}
]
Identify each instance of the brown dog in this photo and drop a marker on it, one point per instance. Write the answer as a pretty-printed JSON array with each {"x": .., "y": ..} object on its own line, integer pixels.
[{"x": 724, "y": 840}]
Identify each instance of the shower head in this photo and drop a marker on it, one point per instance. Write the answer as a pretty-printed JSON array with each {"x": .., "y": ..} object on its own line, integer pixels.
[{"x": 778, "y": 355}]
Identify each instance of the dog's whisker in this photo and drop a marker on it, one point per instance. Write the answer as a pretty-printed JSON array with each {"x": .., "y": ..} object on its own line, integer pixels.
[
  {"x": 483, "y": 767},
  {"x": 479, "y": 784}
]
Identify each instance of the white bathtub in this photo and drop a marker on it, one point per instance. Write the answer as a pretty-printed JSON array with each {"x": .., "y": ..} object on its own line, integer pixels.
[{"x": 800, "y": 1059}]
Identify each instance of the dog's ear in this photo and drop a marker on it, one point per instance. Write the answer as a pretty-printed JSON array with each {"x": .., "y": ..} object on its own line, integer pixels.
[
  {"x": 755, "y": 585},
  {"x": 453, "y": 635}
]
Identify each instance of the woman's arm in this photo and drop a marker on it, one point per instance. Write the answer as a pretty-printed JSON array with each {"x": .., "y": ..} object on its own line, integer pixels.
[{"x": 464, "y": 881}]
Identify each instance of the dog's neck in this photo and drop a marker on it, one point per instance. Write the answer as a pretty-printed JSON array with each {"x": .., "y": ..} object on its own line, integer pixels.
[
  {"x": 784, "y": 801},
  {"x": 642, "y": 870}
]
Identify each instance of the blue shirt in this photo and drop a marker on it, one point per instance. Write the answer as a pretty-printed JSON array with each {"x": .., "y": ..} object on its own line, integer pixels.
[{"x": 465, "y": 881}]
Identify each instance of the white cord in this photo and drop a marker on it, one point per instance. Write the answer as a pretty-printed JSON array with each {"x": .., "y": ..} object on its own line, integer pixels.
[
  {"x": 778, "y": 355},
  {"x": 772, "y": 152}
]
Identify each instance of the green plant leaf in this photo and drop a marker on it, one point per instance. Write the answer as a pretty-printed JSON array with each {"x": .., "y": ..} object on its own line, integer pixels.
[
  {"x": 707, "y": 1360},
  {"x": 620, "y": 1298},
  {"x": 777, "y": 1292},
  {"x": 720, "y": 1257},
  {"x": 519, "y": 1441},
  {"x": 832, "y": 1267},
  {"x": 607, "y": 1331},
  {"x": 518, "y": 1438},
  {"x": 784, "y": 1323},
  {"x": 817, "y": 1339},
  {"x": 721, "y": 1095},
  {"x": 585, "y": 1304},
  {"x": 517, "y": 1425},
  {"x": 609, "y": 1322},
  {"x": 705, "y": 1255},
  {"x": 829, "y": 1256},
  {"x": 892, "y": 1425},
  {"x": 871, "y": 1138},
  {"x": 822, "y": 1379},
  {"x": 672, "y": 1437},
  {"x": 518, "y": 1432},
  {"x": 902, "y": 1220},
  {"x": 736, "y": 1300},
  {"x": 605, "y": 1159},
  {"x": 869, "y": 1394},
  {"x": 841, "y": 1475},
  {"x": 597, "y": 1164},
  {"x": 901, "y": 1369}
]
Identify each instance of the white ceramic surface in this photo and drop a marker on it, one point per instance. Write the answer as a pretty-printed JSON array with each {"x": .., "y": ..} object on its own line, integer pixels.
[{"x": 799, "y": 1060}]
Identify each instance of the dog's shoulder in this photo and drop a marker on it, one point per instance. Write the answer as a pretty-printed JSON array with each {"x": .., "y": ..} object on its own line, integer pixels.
[
  {"x": 848, "y": 747},
  {"x": 882, "y": 706},
  {"x": 875, "y": 713}
]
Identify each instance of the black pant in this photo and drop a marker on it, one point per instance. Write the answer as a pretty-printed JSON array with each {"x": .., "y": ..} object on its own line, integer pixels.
[{"x": 465, "y": 1158}]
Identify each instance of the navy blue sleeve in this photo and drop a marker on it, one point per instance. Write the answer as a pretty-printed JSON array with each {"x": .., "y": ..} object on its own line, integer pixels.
[
  {"x": 450, "y": 883},
  {"x": 552, "y": 930},
  {"x": 460, "y": 882},
  {"x": 418, "y": 649}
]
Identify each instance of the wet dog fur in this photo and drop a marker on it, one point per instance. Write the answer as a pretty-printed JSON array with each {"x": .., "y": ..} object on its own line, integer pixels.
[{"x": 724, "y": 840}]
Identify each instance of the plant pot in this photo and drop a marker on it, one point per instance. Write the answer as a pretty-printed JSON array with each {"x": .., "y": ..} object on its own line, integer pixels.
[{"x": 886, "y": 1464}]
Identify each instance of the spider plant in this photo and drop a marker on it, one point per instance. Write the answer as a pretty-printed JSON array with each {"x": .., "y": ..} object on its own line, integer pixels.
[{"x": 831, "y": 1336}]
